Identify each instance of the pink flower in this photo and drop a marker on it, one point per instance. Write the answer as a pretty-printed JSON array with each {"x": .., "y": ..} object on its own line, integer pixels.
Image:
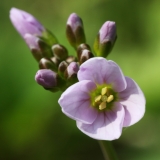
[{"x": 104, "y": 100}]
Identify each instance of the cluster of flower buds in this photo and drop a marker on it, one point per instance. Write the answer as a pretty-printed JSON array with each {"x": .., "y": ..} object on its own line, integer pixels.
[{"x": 57, "y": 69}]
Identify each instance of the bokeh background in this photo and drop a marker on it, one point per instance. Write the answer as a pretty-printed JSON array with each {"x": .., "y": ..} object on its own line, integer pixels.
[{"x": 32, "y": 126}]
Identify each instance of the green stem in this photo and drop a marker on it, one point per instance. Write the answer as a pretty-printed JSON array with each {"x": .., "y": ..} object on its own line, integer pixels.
[{"x": 108, "y": 150}]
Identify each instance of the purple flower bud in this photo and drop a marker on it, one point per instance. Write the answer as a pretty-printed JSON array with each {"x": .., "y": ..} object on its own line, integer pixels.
[
  {"x": 46, "y": 78},
  {"x": 74, "y": 21},
  {"x": 25, "y": 23},
  {"x": 75, "y": 31},
  {"x": 105, "y": 40},
  {"x": 108, "y": 32},
  {"x": 72, "y": 69}
]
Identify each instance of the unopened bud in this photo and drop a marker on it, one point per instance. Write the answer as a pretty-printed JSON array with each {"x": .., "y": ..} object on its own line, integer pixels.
[
  {"x": 105, "y": 39},
  {"x": 39, "y": 39},
  {"x": 47, "y": 64},
  {"x": 74, "y": 31},
  {"x": 81, "y": 47},
  {"x": 46, "y": 78},
  {"x": 62, "y": 68},
  {"x": 86, "y": 54},
  {"x": 72, "y": 70},
  {"x": 60, "y": 52}
]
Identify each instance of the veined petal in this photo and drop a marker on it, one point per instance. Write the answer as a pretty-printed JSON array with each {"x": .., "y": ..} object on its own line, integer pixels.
[
  {"x": 133, "y": 100},
  {"x": 75, "y": 102},
  {"x": 107, "y": 126},
  {"x": 99, "y": 70}
]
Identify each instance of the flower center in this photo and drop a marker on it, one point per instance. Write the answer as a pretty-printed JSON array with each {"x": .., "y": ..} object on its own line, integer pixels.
[{"x": 103, "y": 97}]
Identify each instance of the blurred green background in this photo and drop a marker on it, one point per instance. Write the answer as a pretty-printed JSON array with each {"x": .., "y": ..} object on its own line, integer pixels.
[{"x": 32, "y": 126}]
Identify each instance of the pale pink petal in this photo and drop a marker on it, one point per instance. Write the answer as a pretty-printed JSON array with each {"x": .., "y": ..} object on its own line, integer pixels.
[
  {"x": 133, "y": 100},
  {"x": 25, "y": 22},
  {"x": 31, "y": 41},
  {"x": 75, "y": 102},
  {"x": 101, "y": 71},
  {"x": 107, "y": 126}
]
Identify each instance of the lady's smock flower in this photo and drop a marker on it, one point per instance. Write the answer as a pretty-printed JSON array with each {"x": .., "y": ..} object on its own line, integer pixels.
[{"x": 104, "y": 100}]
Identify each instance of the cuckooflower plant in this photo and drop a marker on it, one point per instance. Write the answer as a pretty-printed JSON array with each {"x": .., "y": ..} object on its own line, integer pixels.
[
  {"x": 95, "y": 92},
  {"x": 104, "y": 100}
]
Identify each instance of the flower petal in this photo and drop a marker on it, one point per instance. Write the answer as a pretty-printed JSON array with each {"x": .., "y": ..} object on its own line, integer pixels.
[
  {"x": 75, "y": 102},
  {"x": 25, "y": 22},
  {"x": 107, "y": 126},
  {"x": 133, "y": 100},
  {"x": 99, "y": 70}
]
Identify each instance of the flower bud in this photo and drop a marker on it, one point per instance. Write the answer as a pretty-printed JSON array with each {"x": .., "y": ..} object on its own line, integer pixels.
[
  {"x": 86, "y": 54},
  {"x": 46, "y": 78},
  {"x": 47, "y": 64},
  {"x": 81, "y": 47},
  {"x": 75, "y": 31},
  {"x": 62, "y": 68},
  {"x": 105, "y": 39},
  {"x": 25, "y": 23},
  {"x": 60, "y": 52},
  {"x": 72, "y": 70}
]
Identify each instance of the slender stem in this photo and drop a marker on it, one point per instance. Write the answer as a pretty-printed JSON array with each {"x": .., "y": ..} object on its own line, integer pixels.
[{"x": 108, "y": 150}]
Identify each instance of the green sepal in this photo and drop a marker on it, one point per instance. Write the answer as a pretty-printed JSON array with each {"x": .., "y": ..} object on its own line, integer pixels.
[
  {"x": 105, "y": 48},
  {"x": 80, "y": 36},
  {"x": 45, "y": 49},
  {"x": 71, "y": 37},
  {"x": 49, "y": 38},
  {"x": 102, "y": 49}
]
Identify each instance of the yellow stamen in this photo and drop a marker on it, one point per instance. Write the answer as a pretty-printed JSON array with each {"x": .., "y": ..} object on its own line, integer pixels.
[
  {"x": 104, "y": 91},
  {"x": 110, "y": 98},
  {"x": 104, "y": 98},
  {"x": 102, "y": 105},
  {"x": 98, "y": 98}
]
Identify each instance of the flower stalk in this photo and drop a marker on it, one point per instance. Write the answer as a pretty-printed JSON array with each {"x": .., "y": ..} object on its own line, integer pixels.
[{"x": 108, "y": 150}]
